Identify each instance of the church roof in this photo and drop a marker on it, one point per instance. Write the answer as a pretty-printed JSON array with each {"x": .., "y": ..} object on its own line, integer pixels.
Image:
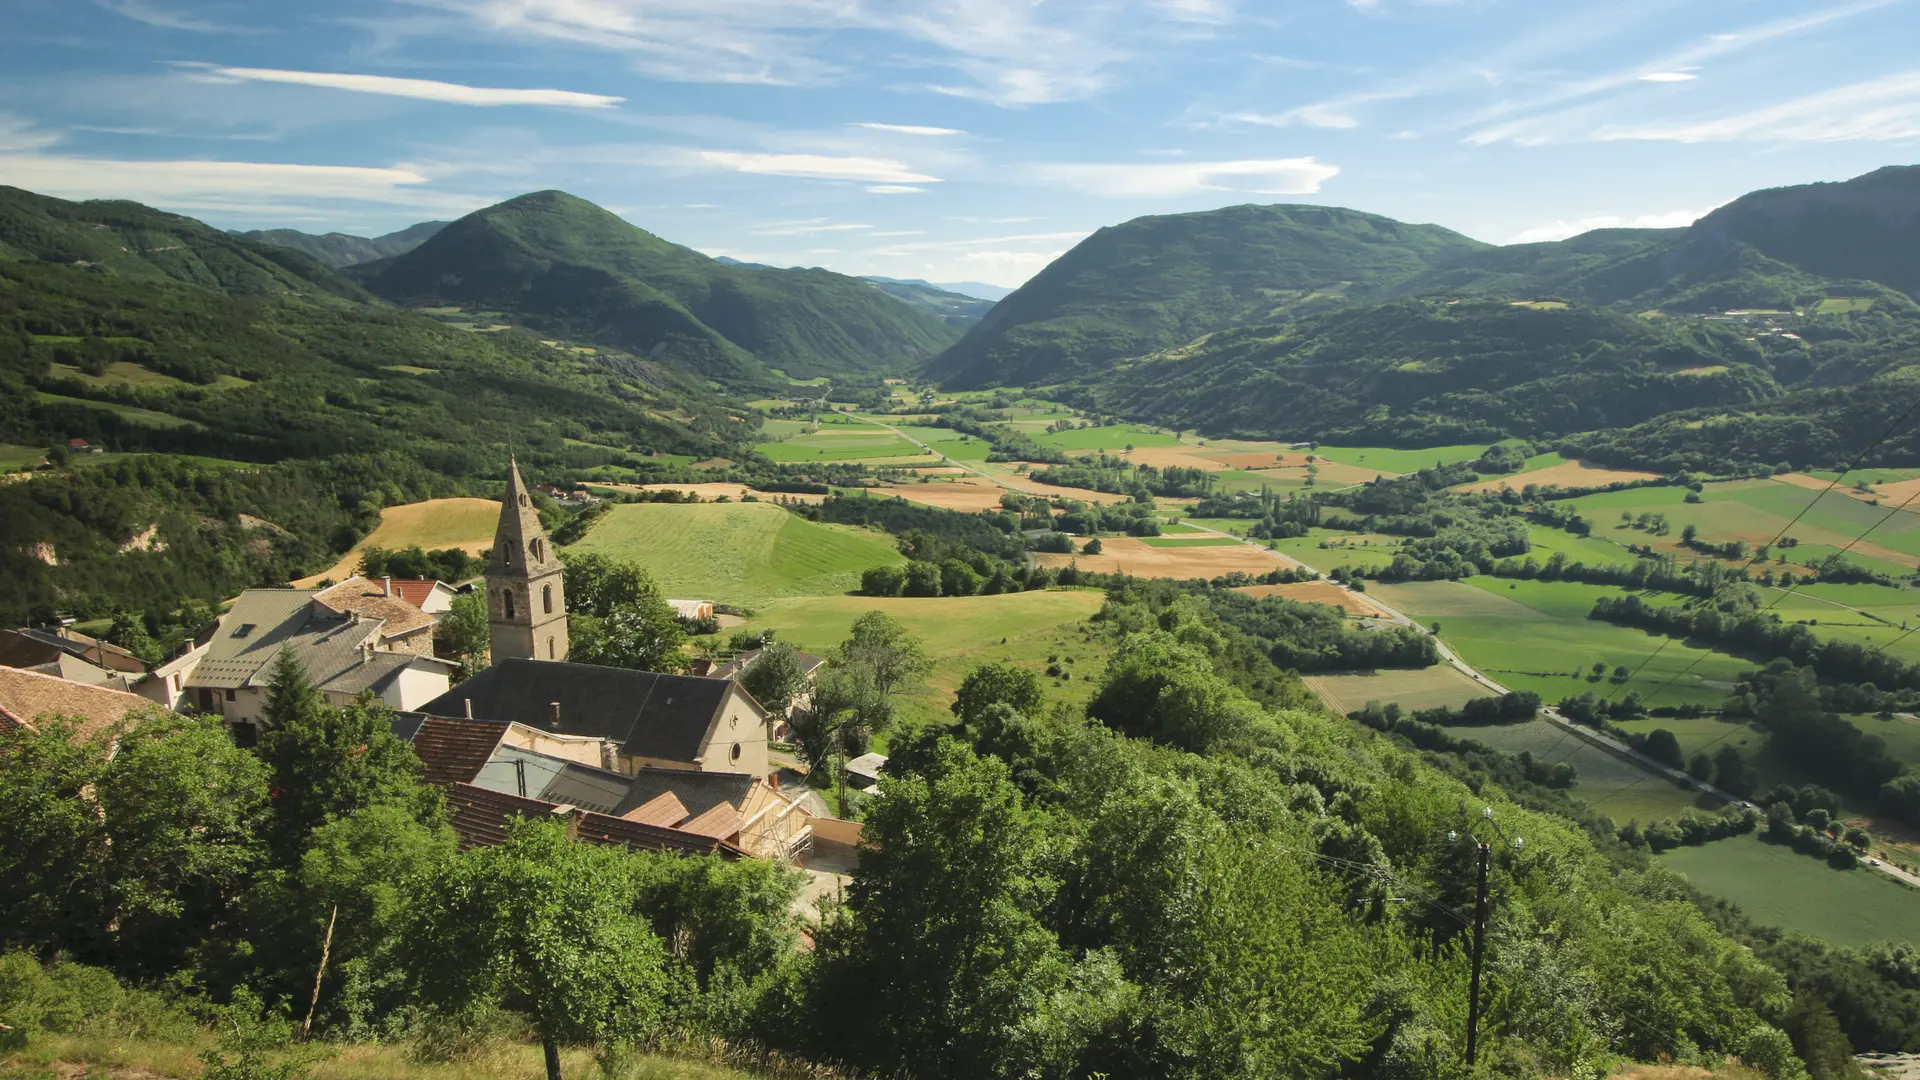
[{"x": 519, "y": 528}]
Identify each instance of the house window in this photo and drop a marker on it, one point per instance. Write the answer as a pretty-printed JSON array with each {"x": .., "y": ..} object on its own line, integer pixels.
[
  {"x": 734, "y": 754},
  {"x": 506, "y": 601},
  {"x": 546, "y": 595},
  {"x": 230, "y": 695}
]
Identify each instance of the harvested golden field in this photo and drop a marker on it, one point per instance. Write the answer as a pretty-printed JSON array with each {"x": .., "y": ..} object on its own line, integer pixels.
[
  {"x": 1413, "y": 688},
  {"x": 1567, "y": 474},
  {"x": 1318, "y": 592},
  {"x": 467, "y": 524},
  {"x": 1242, "y": 459},
  {"x": 1160, "y": 457},
  {"x": 961, "y": 495},
  {"x": 736, "y": 492},
  {"x": 1126, "y": 554}
]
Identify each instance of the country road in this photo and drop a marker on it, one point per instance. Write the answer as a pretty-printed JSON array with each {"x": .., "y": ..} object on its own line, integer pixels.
[{"x": 1655, "y": 769}]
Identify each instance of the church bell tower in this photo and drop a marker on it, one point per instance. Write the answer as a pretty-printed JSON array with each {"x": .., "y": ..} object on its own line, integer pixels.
[{"x": 526, "y": 594}]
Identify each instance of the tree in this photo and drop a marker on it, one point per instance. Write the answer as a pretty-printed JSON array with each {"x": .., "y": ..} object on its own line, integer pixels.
[
  {"x": 775, "y": 677},
  {"x": 464, "y": 636},
  {"x": 997, "y": 684},
  {"x": 1700, "y": 767},
  {"x": 879, "y": 643},
  {"x": 1663, "y": 747},
  {"x": 642, "y": 634},
  {"x": 1688, "y": 533},
  {"x": 1730, "y": 772},
  {"x": 329, "y": 763},
  {"x": 882, "y": 581},
  {"x": 846, "y": 710},
  {"x": 542, "y": 925},
  {"x": 922, "y": 579},
  {"x": 1092, "y": 547},
  {"x": 291, "y": 696}
]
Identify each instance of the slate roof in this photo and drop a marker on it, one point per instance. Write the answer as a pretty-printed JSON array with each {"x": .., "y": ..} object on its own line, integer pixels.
[
  {"x": 369, "y": 598},
  {"x": 455, "y": 751},
  {"x": 26, "y": 696},
  {"x": 646, "y": 713},
  {"x": 554, "y": 779},
  {"x": 263, "y": 622}
]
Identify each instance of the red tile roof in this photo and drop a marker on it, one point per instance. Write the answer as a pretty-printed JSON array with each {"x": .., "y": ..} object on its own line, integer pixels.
[
  {"x": 454, "y": 750},
  {"x": 415, "y": 591},
  {"x": 26, "y": 696},
  {"x": 480, "y": 819},
  {"x": 480, "y": 816},
  {"x": 665, "y": 810},
  {"x": 719, "y": 822},
  {"x": 602, "y": 829}
]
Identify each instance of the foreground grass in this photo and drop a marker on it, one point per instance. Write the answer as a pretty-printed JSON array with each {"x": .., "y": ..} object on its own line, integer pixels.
[
  {"x": 1780, "y": 887},
  {"x": 67, "y": 1057}
]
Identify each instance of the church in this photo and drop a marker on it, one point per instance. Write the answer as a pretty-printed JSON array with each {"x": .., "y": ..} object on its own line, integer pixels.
[{"x": 526, "y": 586}]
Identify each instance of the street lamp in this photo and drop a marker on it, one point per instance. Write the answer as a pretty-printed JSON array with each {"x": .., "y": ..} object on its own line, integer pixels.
[{"x": 1485, "y": 852}]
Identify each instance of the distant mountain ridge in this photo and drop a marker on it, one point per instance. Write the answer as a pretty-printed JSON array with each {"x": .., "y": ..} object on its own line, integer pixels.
[
  {"x": 979, "y": 290},
  {"x": 560, "y": 263},
  {"x": 341, "y": 249}
]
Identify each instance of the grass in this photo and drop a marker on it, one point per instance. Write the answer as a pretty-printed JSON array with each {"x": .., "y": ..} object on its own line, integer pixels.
[
  {"x": 1399, "y": 461},
  {"x": 960, "y": 633},
  {"x": 740, "y": 553},
  {"x": 1779, "y": 887},
  {"x": 1197, "y": 540},
  {"x": 1112, "y": 437},
  {"x": 54, "y": 1056},
  {"x": 143, "y": 417},
  {"x": 1346, "y": 549},
  {"x": 1411, "y": 688},
  {"x": 1842, "y": 305},
  {"x": 828, "y": 444},
  {"x": 954, "y": 444},
  {"x": 14, "y": 458},
  {"x": 118, "y": 373},
  {"x": 1611, "y": 784}
]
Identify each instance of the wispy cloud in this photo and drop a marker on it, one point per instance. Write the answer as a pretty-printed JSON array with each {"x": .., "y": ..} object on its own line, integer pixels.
[
  {"x": 909, "y": 129},
  {"x": 1279, "y": 176},
  {"x": 894, "y": 189},
  {"x": 1668, "y": 76},
  {"x": 421, "y": 89},
  {"x": 220, "y": 184},
  {"x": 816, "y": 166},
  {"x": 809, "y": 227},
  {"x": 1877, "y": 110},
  {"x": 1560, "y": 230},
  {"x": 17, "y": 135},
  {"x": 140, "y": 11}
]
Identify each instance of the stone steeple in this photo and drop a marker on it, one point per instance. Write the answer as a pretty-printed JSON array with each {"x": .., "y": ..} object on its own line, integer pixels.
[{"x": 526, "y": 590}]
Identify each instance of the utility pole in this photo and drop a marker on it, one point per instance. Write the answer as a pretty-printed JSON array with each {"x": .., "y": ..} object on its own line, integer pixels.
[{"x": 1479, "y": 954}]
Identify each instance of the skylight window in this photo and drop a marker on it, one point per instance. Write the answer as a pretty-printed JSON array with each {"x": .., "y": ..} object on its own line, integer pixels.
[{"x": 243, "y": 629}]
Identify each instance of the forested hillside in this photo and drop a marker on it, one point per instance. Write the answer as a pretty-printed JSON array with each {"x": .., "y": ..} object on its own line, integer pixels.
[
  {"x": 572, "y": 269},
  {"x": 341, "y": 249},
  {"x": 1155, "y": 282}
]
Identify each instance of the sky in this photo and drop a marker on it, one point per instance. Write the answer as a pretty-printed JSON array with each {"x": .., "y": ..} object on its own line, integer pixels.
[{"x": 952, "y": 140}]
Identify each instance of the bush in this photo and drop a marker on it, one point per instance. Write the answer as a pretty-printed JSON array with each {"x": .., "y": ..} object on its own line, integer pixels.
[
  {"x": 74, "y": 999},
  {"x": 882, "y": 581}
]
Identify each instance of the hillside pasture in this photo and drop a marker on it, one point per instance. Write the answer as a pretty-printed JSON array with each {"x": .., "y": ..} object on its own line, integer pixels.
[
  {"x": 1180, "y": 562},
  {"x": 130, "y": 413},
  {"x": 1112, "y": 438},
  {"x": 1566, "y": 474},
  {"x": 1412, "y": 688},
  {"x": 436, "y": 524},
  {"x": 1780, "y": 887},
  {"x": 837, "y": 443},
  {"x": 1392, "y": 461},
  {"x": 739, "y": 553}
]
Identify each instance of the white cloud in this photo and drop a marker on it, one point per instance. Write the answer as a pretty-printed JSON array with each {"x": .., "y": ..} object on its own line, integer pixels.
[
  {"x": 816, "y": 166},
  {"x": 1877, "y": 110},
  {"x": 809, "y": 227},
  {"x": 1280, "y": 176},
  {"x": 139, "y": 11},
  {"x": 894, "y": 189},
  {"x": 1668, "y": 76},
  {"x": 910, "y": 129},
  {"x": 217, "y": 184},
  {"x": 17, "y": 135},
  {"x": 901, "y": 232},
  {"x": 423, "y": 89},
  {"x": 1561, "y": 230},
  {"x": 1324, "y": 114}
]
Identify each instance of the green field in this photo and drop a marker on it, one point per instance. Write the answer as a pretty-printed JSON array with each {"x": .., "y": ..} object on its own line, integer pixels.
[
  {"x": 837, "y": 443},
  {"x": 954, "y": 444},
  {"x": 1779, "y": 887},
  {"x": 960, "y": 633},
  {"x": 14, "y": 458},
  {"x": 1534, "y": 635},
  {"x": 1195, "y": 540},
  {"x": 118, "y": 373},
  {"x": 1399, "y": 461},
  {"x": 1345, "y": 549},
  {"x": 143, "y": 417},
  {"x": 1609, "y": 783},
  {"x": 739, "y": 553},
  {"x": 1114, "y": 437}
]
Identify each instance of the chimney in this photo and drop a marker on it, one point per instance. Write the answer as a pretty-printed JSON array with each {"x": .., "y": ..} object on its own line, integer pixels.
[
  {"x": 553, "y": 715},
  {"x": 469, "y": 702},
  {"x": 386, "y": 586}
]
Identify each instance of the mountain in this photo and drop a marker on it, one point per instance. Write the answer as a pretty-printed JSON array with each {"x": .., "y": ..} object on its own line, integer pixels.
[
  {"x": 341, "y": 249},
  {"x": 956, "y": 310},
  {"x": 572, "y": 269},
  {"x": 1156, "y": 282},
  {"x": 136, "y": 242},
  {"x": 1426, "y": 372},
  {"x": 978, "y": 290}
]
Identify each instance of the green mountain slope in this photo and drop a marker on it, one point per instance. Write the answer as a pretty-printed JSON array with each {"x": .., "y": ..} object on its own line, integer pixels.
[
  {"x": 340, "y": 249},
  {"x": 138, "y": 242},
  {"x": 955, "y": 309},
  {"x": 1420, "y": 372},
  {"x": 566, "y": 266},
  {"x": 1155, "y": 282}
]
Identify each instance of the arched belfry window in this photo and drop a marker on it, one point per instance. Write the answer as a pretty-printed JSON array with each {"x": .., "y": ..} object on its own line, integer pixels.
[
  {"x": 506, "y": 601},
  {"x": 506, "y": 553},
  {"x": 546, "y": 598},
  {"x": 538, "y": 549},
  {"x": 551, "y": 655},
  {"x": 523, "y": 500}
]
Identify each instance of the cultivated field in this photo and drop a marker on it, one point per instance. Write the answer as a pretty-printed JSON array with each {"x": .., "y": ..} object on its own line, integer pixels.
[
  {"x": 1029, "y": 629},
  {"x": 740, "y": 553},
  {"x": 1318, "y": 592},
  {"x": 1412, "y": 688},
  {"x": 1566, "y": 474},
  {"x": 1610, "y": 784},
  {"x": 718, "y": 491},
  {"x": 467, "y": 524},
  {"x": 1779, "y": 887},
  {"x": 1128, "y": 554},
  {"x": 1376, "y": 459},
  {"x": 840, "y": 443},
  {"x": 969, "y": 496}
]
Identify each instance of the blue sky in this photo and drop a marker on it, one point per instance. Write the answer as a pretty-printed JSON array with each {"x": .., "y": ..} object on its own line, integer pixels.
[{"x": 950, "y": 139}]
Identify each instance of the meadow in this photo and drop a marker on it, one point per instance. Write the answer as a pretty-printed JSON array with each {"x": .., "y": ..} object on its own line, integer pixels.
[
  {"x": 132, "y": 414},
  {"x": 835, "y": 443},
  {"x": 1411, "y": 688},
  {"x": 467, "y": 524},
  {"x": 738, "y": 553},
  {"x": 1607, "y": 782},
  {"x": 1112, "y": 438},
  {"x": 14, "y": 458},
  {"x": 1778, "y": 887},
  {"x": 1388, "y": 460}
]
